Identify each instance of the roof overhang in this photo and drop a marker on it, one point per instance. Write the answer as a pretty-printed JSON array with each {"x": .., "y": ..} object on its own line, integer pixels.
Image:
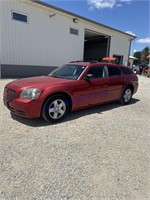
[
  {"x": 81, "y": 17},
  {"x": 133, "y": 58}
]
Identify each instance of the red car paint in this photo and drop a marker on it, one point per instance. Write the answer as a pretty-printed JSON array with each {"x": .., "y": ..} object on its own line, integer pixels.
[{"x": 83, "y": 93}]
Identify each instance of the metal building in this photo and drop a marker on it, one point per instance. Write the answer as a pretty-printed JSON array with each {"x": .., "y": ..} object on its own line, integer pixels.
[{"x": 35, "y": 37}]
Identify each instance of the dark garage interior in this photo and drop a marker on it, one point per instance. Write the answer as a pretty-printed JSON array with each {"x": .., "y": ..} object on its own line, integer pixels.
[{"x": 96, "y": 45}]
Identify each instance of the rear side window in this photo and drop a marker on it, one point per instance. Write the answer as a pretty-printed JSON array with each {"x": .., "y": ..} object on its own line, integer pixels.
[
  {"x": 113, "y": 71},
  {"x": 97, "y": 71},
  {"x": 126, "y": 70}
]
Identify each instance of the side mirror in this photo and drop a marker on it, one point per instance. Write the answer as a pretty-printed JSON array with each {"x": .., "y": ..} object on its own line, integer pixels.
[{"x": 89, "y": 77}]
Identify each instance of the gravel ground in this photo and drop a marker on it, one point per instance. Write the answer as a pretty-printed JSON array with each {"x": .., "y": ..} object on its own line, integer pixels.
[{"x": 101, "y": 153}]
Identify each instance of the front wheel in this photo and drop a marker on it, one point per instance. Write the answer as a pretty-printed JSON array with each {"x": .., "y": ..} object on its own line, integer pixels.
[
  {"x": 55, "y": 108},
  {"x": 126, "y": 96}
]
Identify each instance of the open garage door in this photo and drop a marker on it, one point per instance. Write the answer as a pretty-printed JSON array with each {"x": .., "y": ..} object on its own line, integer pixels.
[{"x": 96, "y": 45}]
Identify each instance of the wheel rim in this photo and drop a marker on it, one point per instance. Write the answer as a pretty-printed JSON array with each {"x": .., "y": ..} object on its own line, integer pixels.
[
  {"x": 57, "y": 109},
  {"x": 127, "y": 95}
]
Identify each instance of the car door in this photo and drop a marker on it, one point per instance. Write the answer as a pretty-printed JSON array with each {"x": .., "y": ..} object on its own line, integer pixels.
[
  {"x": 115, "y": 82},
  {"x": 94, "y": 90}
]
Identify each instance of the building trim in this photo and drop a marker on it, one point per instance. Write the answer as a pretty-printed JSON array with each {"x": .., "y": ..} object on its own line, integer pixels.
[{"x": 16, "y": 71}]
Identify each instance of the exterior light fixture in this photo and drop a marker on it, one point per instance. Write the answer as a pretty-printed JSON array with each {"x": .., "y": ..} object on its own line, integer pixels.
[
  {"x": 75, "y": 20},
  {"x": 52, "y": 15}
]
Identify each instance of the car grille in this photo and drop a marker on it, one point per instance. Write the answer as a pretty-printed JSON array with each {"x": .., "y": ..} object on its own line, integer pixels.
[{"x": 10, "y": 94}]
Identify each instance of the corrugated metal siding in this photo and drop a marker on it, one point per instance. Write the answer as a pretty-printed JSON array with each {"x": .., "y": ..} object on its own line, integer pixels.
[
  {"x": 24, "y": 71},
  {"x": 45, "y": 40},
  {"x": 120, "y": 46}
]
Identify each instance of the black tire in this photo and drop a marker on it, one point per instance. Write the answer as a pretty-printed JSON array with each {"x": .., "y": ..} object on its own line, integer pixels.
[
  {"x": 126, "y": 96},
  {"x": 55, "y": 108}
]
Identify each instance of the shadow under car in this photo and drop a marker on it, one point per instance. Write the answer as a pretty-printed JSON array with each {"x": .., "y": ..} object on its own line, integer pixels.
[{"x": 39, "y": 122}]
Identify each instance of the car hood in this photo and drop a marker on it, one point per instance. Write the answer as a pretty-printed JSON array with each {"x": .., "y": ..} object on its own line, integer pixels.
[{"x": 38, "y": 82}]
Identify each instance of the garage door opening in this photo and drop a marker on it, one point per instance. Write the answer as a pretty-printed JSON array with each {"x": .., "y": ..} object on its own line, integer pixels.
[{"x": 96, "y": 45}]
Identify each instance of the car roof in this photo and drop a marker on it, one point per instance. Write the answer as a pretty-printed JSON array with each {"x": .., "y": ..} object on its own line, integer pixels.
[
  {"x": 82, "y": 62},
  {"x": 86, "y": 63}
]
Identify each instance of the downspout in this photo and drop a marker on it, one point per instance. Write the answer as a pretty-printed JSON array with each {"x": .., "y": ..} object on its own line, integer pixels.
[
  {"x": 108, "y": 46},
  {"x": 129, "y": 51}
]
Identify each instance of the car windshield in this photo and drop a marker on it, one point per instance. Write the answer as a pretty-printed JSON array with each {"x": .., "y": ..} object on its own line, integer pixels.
[{"x": 68, "y": 71}]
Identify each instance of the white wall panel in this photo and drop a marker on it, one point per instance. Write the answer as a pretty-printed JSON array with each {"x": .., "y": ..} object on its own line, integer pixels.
[
  {"x": 43, "y": 41},
  {"x": 120, "y": 46},
  {"x": 46, "y": 41}
]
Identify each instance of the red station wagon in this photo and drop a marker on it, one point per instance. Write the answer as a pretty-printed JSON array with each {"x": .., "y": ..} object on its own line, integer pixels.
[{"x": 73, "y": 86}]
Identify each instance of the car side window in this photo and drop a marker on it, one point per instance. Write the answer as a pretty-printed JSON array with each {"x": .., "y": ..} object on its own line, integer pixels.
[
  {"x": 113, "y": 71},
  {"x": 97, "y": 72},
  {"x": 126, "y": 70}
]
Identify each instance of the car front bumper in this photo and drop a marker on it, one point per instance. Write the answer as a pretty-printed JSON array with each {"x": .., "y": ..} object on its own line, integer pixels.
[{"x": 24, "y": 107}]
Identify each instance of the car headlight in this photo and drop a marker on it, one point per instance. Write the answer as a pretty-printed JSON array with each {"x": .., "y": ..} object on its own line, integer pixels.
[{"x": 31, "y": 93}]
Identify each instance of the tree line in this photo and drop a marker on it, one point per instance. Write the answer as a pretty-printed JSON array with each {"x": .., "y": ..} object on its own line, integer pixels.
[{"x": 141, "y": 55}]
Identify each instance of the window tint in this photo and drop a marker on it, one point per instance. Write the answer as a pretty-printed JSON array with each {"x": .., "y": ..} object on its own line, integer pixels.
[
  {"x": 126, "y": 70},
  {"x": 114, "y": 71},
  {"x": 98, "y": 72},
  {"x": 19, "y": 17}
]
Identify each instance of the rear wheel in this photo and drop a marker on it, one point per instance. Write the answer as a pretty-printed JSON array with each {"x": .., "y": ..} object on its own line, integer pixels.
[
  {"x": 55, "y": 108},
  {"x": 126, "y": 96}
]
